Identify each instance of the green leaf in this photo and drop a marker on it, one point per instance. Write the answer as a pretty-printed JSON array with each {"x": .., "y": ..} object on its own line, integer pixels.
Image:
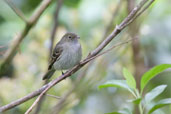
[
  {"x": 135, "y": 101},
  {"x": 129, "y": 78},
  {"x": 117, "y": 84},
  {"x": 154, "y": 93},
  {"x": 72, "y": 3},
  {"x": 160, "y": 104},
  {"x": 124, "y": 111},
  {"x": 152, "y": 73}
]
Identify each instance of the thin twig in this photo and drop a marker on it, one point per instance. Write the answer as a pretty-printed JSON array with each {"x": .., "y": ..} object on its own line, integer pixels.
[
  {"x": 46, "y": 87},
  {"x": 38, "y": 108},
  {"x": 53, "y": 96},
  {"x": 118, "y": 28},
  {"x": 16, "y": 10},
  {"x": 140, "y": 12},
  {"x": 62, "y": 101},
  {"x": 31, "y": 22},
  {"x": 102, "y": 53}
]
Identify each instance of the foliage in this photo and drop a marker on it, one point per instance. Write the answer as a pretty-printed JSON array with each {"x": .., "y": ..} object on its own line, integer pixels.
[
  {"x": 89, "y": 19},
  {"x": 130, "y": 85}
]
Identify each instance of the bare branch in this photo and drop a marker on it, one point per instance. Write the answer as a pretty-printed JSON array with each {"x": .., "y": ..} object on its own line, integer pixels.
[
  {"x": 119, "y": 28},
  {"x": 31, "y": 22},
  {"x": 133, "y": 13},
  {"x": 46, "y": 87},
  {"x": 117, "y": 45},
  {"x": 36, "y": 15},
  {"x": 53, "y": 96},
  {"x": 115, "y": 12},
  {"x": 16, "y": 10},
  {"x": 22, "y": 100},
  {"x": 140, "y": 12}
]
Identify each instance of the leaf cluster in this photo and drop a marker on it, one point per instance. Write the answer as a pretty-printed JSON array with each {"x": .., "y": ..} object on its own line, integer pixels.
[{"x": 129, "y": 84}]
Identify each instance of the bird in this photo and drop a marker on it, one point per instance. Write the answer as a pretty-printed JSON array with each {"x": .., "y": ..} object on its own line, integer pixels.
[{"x": 66, "y": 54}]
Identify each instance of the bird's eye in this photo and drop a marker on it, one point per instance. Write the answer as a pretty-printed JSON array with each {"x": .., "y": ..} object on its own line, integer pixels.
[{"x": 69, "y": 37}]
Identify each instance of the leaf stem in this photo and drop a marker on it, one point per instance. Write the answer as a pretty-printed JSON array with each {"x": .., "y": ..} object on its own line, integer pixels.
[{"x": 140, "y": 108}]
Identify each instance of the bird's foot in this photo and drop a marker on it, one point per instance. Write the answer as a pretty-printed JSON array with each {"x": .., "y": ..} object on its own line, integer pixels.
[{"x": 62, "y": 73}]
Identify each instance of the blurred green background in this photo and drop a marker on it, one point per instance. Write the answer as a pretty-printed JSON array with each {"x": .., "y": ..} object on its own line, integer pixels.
[{"x": 89, "y": 19}]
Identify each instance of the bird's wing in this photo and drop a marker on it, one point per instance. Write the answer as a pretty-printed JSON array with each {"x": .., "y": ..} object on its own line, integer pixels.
[{"x": 55, "y": 55}]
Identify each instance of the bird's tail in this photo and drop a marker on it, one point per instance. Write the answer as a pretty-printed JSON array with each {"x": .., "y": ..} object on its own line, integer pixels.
[{"x": 48, "y": 74}]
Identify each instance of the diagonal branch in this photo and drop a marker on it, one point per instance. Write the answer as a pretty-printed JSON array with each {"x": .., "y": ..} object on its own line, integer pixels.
[
  {"x": 70, "y": 72},
  {"x": 118, "y": 29},
  {"x": 110, "y": 24},
  {"x": 140, "y": 12},
  {"x": 46, "y": 87},
  {"x": 31, "y": 22},
  {"x": 37, "y": 92},
  {"x": 16, "y": 10}
]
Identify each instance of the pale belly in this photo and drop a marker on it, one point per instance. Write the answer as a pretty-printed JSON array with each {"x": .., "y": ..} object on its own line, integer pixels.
[{"x": 68, "y": 59}]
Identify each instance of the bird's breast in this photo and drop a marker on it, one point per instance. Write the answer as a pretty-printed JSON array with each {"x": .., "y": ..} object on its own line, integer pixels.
[{"x": 71, "y": 55}]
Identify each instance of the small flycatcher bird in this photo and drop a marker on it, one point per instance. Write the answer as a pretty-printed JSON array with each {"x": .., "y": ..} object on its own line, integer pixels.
[{"x": 66, "y": 54}]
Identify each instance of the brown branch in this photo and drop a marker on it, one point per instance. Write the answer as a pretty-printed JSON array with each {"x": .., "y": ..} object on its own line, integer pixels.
[
  {"x": 36, "y": 15},
  {"x": 21, "y": 100},
  {"x": 110, "y": 24},
  {"x": 118, "y": 28},
  {"x": 46, "y": 87},
  {"x": 53, "y": 32},
  {"x": 31, "y": 22},
  {"x": 16, "y": 10},
  {"x": 132, "y": 14},
  {"x": 38, "y": 108},
  {"x": 140, "y": 12}
]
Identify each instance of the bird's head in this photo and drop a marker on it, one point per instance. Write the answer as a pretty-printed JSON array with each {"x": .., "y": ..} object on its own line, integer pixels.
[{"x": 70, "y": 37}]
